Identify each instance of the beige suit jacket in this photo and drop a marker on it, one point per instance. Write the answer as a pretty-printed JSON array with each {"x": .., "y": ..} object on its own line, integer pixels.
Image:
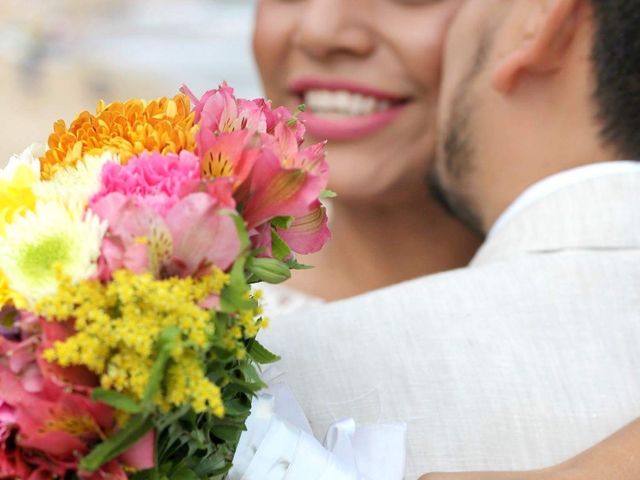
[{"x": 525, "y": 358}]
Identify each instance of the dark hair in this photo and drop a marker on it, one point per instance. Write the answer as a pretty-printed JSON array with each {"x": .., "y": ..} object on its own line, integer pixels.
[{"x": 616, "y": 57}]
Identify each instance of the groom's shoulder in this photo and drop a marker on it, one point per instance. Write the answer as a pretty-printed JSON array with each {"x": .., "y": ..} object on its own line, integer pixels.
[{"x": 525, "y": 282}]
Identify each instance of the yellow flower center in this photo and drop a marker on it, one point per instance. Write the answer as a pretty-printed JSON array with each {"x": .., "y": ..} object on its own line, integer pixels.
[
  {"x": 217, "y": 165},
  {"x": 81, "y": 426}
]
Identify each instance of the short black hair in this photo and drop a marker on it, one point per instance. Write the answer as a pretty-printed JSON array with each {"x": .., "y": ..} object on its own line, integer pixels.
[{"x": 616, "y": 58}]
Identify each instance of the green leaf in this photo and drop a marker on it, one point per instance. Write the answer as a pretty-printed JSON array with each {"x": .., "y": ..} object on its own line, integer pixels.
[
  {"x": 237, "y": 278},
  {"x": 260, "y": 354},
  {"x": 117, "y": 400},
  {"x": 294, "y": 119},
  {"x": 251, "y": 374},
  {"x": 270, "y": 270},
  {"x": 279, "y": 247},
  {"x": 167, "y": 341},
  {"x": 328, "y": 194},
  {"x": 118, "y": 443},
  {"x": 236, "y": 408},
  {"x": 214, "y": 464},
  {"x": 282, "y": 222},
  {"x": 228, "y": 433},
  {"x": 184, "y": 473},
  {"x": 241, "y": 228},
  {"x": 246, "y": 388},
  {"x": 170, "y": 418},
  {"x": 294, "y": 265}
]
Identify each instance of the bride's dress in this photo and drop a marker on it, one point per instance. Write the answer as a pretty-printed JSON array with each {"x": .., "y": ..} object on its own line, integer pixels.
[
  {"x": 280, "y": 300},
  {"x": 279, "y": 443}
]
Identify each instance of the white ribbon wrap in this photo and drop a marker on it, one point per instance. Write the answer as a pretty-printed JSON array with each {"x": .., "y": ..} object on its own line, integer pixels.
[{"x": 278, "y": 445}]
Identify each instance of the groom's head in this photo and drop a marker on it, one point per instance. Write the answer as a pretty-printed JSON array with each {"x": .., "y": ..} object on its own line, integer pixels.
[{"x": 531, "y": 88}]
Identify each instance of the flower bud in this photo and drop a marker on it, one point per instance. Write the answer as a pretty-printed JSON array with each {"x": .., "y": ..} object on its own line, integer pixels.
[{"x": 269, "y": 270}]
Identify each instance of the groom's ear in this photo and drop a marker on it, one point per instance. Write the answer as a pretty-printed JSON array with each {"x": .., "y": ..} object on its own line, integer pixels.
[{"x": 542, "y": 34}]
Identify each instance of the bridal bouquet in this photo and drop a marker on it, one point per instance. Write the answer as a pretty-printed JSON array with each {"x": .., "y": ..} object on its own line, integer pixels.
[{"x": 128, "y": 247}]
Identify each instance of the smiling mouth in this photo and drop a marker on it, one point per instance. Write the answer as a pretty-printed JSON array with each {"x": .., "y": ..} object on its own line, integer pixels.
[
  {"x": 344, "y": 104},
  {"x": 341, "y": 110}
]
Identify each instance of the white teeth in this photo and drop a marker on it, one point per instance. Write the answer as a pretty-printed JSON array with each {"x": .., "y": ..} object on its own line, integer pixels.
[{"x": 343, "y": 103}]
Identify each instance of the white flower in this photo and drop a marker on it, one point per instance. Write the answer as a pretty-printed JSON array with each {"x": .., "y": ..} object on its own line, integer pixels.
[
  {"x": 28, "y": 158},
  {"x": 53, "y": 234},
  {"x": 75, "y": 184}
]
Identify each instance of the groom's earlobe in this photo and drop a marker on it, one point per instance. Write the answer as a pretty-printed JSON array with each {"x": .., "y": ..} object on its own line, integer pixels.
[{"x": 540, "y": 45}]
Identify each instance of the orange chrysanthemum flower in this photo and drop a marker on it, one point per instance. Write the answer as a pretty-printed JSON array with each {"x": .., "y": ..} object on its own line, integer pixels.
[{"x": 164, "y": 125}]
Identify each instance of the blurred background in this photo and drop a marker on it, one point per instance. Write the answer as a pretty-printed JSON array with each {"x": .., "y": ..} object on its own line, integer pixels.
[{"x": 58, "y": 57}]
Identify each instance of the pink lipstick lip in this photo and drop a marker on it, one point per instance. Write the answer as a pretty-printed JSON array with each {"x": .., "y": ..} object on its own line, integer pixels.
[
  {"x": 301, "y": 85},
  {"x": 351, "y": 128}
]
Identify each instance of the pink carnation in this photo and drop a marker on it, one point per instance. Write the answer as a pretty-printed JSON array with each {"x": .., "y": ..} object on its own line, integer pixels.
[{"x": 157, "y": 181}]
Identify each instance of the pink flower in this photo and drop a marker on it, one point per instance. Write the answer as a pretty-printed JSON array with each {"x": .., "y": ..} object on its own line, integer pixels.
[
  {"x": 202, "y": 236},
  {"x": 218, "y": 111},
  {"x": 45, "y": 431},
  {"x": 159, "y": 181},
  {"x": 79, "y": 378},
  {"x": 195, "y": 234},
  {"x": 308, "y": 233},
  {"x": 226, "y": 155},
  {"x": 141, "y": 455},
  {"x": 282, "y": 115},
  {"x": 285, "y": 181},
  {"x": 49, "y": 428}
]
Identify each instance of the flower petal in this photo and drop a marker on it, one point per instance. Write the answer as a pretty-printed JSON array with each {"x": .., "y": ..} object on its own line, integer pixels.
[
  {"x": 308, "y": 233},
  {"x": 202, "y": 235},
  {"x": 279, "y": 191},
  {"x": 141, "y": 455}
]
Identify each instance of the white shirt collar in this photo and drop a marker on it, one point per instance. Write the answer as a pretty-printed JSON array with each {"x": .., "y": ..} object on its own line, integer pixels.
[{"x": 558, "y": 181}]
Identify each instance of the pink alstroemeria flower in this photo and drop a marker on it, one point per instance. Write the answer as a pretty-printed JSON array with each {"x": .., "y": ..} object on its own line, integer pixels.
[
  {"x": 226, "y": 155},
  {"x": 55, "y": 423},
  {"x": 203, "y": 235},
  {"x": 219, "y": 111},
  {"x": 285, "y": 181},
  {"x": 195, "y": 234},
  {"x": 308, "y": 233},
  {"x": 282, "y": 115},
  {"x": 50, "y": 427}
]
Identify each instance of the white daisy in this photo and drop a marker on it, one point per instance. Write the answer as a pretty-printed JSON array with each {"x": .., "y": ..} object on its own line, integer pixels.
[
  {"x": 28, "y": 158},
  {"x": 53, "y": 234},
  {"x": 75, "y": 184}
]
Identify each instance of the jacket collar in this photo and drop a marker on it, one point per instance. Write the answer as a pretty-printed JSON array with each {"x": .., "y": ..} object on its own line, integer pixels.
[{"x": 597, "y": 213}]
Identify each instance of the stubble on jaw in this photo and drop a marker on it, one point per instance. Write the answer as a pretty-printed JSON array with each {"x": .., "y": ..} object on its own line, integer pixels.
[{"x": 456, "y": 151}]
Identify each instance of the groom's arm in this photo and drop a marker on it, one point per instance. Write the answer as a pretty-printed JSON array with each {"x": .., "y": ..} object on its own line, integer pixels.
[{"x": 616, "y": 458}]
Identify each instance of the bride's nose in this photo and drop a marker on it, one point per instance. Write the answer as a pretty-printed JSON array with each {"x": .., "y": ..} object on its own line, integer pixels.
[{"x": 331, "y": 28}]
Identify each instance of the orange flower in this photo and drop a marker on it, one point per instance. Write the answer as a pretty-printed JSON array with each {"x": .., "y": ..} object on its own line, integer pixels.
[{"x": 164, "y": 125}]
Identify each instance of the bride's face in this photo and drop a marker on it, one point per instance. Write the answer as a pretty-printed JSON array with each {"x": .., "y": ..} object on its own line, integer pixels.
[{"x": 368, "y": 72}]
